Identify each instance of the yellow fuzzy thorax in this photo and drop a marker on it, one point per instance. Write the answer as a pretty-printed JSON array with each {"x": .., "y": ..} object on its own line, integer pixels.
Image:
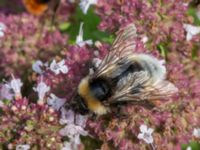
[{"x": 92, "y": 103}]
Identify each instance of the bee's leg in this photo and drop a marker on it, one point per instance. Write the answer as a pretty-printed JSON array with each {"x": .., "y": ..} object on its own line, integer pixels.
[
  {"x": 147, "y": 104},
  {"x": 93, "y": 116},
  {"x": 156, "y": 109},
  {"x": 119, "y": 113}
]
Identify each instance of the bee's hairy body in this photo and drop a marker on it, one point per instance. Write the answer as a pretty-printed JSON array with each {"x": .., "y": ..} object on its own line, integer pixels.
[
  {"x": 122, "y": 77},
  {"x": 95, "y": 91}
]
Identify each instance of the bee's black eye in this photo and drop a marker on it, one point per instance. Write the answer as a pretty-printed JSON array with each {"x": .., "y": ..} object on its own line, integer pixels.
[{"x": 100, "y": 89}]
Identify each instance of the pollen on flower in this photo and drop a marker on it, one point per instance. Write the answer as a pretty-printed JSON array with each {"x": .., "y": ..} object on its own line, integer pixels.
[
  {"x": 13, "y": 108},
  {"x": 53, "y": 139},
  {"x": 24, "y": 107},
  {"x": 51, "y": 119},
  {"x": 51, "y": 110}
]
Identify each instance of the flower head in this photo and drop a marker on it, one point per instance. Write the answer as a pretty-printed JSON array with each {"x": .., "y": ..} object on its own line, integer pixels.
[
  {"x": 15, "y": 85},
  {"x": 79, "y": 38},
  {"x": 35, "y": 122},
  {"x": 5, "y": 92},
  {"x": 74, "y": 127},
  {"x": 196, "y": 132},
  {"x": 55, "y": 101},
  {"x": 96, "y": 62},
  {"x": 2, "y": 29},
  {"x": 188, "y": 148},
  {"x": 85, "y": 4},
  {"x": 67, "y": 146},
  {"x": 146, "y": 134},
  {"x": 73, "y": 132},
  {"x": 191, "y": 31},
  {"x": 23, "y": 147},
  {"x": 69, "y": 117},
  {"x": 37, "y": 66},
  {"x": 41, "y": 89},
  {"x": 59, "y": 67}
]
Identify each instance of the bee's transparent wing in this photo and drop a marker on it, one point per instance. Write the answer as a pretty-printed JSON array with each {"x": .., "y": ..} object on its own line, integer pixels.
[
  {"x": 139, "y": 87},
  {"x": 122, "y": 46}
]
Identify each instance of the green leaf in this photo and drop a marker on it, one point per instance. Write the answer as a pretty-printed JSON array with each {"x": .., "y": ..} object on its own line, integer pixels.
[
  {"x": 90, "y": 31},
  {"x": 162, "y": 49},
  {"x": 194, "y": 145},
  {"x": 6, "y": 101},
  {"x": 30, "y": 125},
  {"x": 90, "y": 143},
  {"x": 192, "y": 12},
  {"x": 64, "y": 26}
]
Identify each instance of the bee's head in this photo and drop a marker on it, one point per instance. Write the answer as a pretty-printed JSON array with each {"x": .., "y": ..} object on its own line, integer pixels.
[{"x": 78, "y": 105}]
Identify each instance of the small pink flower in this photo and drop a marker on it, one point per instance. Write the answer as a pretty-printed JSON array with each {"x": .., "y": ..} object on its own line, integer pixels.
[
  {"x": 85, "y": 4},
  {"x": 67, "y": 146},
  {"x": 23, "y": 147},
  {"x": 71, "y": 130},
  {"x": 191, "y": 31},
  {"x": 196, "y": 132},
  {"x": 79, "y": 39},
  {"x": 37, "y": 66},
  {"x": 2, "y": 29},
  {"x": 55, "y": 101},
  {"x": 188, "y": 148},
  {"x": 15, "y": 85},
  {"x": 5, "y": 92},
  {"x": 59, "y": 67},
  {"x": 41, "y": 89},
  {"x": 146, "y": 134},
  {"x": 67, "y": 116}
]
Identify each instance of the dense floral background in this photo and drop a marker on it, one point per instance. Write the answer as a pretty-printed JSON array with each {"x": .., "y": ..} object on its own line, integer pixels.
[{"x": 41, "y": 64}]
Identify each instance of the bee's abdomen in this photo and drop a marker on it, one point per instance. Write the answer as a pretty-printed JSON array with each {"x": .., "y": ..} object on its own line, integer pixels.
[
  {"x": 130, "y": 68},
  {"x": 152, "y": 65}
]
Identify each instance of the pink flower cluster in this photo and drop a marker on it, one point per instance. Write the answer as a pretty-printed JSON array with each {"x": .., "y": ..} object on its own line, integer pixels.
[
  {"x": 23, "y": 123},
  {"x": 164, "y": 30}
]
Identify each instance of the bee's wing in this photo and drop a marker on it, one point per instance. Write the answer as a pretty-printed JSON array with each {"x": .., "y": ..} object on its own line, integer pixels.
[
  {"x": 122, "y": 46},
  {"x": 139, "y": 87}
]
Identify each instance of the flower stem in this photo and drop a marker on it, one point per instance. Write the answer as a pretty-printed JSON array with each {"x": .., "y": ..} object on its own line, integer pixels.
[{"x": 152, "y": 146}]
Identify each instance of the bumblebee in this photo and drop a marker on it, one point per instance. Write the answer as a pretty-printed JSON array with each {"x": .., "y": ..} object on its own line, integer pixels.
[
  {"x": 123, "y": 77},
  {"x": 39, "y": 7}
]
